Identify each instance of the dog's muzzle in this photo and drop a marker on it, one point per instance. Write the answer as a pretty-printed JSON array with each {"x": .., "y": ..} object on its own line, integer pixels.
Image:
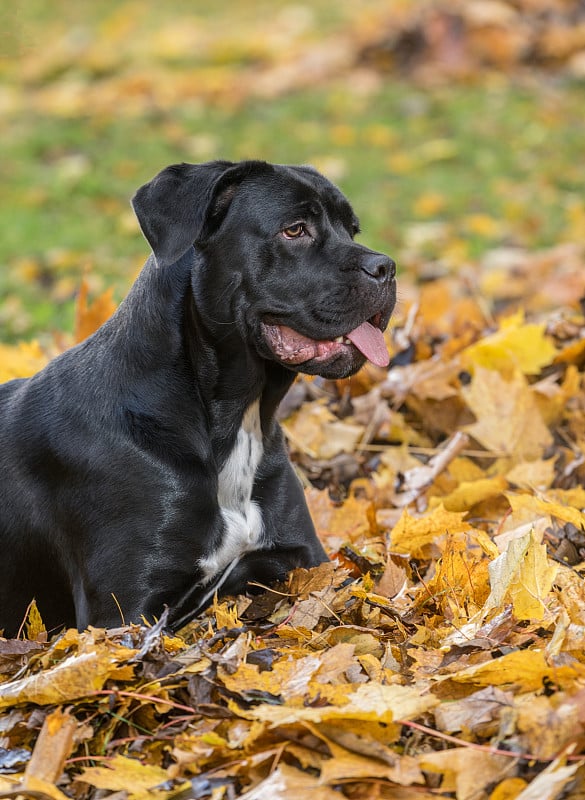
[{"x": 294, "y": 349}]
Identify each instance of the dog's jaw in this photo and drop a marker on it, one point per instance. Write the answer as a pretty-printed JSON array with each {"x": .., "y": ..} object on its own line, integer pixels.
[{"x": 349, "y": 351}]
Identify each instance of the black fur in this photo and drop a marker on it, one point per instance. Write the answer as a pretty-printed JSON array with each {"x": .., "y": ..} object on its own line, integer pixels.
[{"x": 109, "y": 457}]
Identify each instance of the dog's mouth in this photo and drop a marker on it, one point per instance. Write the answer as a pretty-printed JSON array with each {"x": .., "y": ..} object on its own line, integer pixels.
[{"x": 294, "y": 348}]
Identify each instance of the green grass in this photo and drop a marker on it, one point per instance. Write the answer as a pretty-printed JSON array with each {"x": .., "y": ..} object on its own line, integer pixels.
[{"x": 512, "y": 152}]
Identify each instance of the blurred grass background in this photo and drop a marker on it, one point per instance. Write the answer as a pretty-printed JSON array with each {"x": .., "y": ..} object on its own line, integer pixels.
[{"x": 454, "y": 128}]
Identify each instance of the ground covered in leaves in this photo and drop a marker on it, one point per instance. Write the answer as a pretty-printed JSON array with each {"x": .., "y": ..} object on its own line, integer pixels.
[{"x": 441, "y": 653}]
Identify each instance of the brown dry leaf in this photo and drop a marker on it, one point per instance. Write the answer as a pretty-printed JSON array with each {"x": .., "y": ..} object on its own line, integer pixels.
[
  {"x": 480, "y": 710},
  {"x": 334, "y": 662},
  {"x": 302, "y": 582},
  {"x": 52, "y": 747},
  {"x": 547, "y": 724},
  {"x": 393, "y": 579},
  {"x": 336, "y": 523},
  {"x": 465, "y": 771},
  {"x": 314, "y": 430},
  {"x": 550, "y": 782},
  {"x": 288, "y": 783},
  {"x": 346, "y": 765}
]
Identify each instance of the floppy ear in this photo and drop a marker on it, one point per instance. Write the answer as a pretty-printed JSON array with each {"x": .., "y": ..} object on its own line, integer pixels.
[{"x": 184, "y": 201}]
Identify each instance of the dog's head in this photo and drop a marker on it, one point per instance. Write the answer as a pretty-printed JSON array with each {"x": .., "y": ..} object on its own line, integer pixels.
[{"x": 278, "y": 261}]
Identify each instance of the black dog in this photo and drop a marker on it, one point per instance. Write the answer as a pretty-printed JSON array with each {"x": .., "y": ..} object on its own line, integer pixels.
[{"x": 144, "y": 467}]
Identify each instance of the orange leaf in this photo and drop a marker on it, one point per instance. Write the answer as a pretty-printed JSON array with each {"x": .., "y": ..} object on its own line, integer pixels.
[{"x": 90, "y": 316}]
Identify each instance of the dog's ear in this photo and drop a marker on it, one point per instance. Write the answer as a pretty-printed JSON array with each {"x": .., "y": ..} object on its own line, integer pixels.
[{"x": 186, "y": 202}]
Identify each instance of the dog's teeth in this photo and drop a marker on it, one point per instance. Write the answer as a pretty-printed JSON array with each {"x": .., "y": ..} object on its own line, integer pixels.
[{"x": 339, "y": 339}]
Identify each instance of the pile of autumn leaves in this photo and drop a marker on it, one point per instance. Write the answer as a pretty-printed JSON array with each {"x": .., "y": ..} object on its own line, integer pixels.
[{"x": 441, "y": 655}]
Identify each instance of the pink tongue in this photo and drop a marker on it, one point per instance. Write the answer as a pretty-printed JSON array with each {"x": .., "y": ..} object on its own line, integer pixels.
[{"x": 369, "y": 340}]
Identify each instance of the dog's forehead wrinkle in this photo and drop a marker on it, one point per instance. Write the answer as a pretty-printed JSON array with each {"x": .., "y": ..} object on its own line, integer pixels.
[{"x": 327, "y": 194}]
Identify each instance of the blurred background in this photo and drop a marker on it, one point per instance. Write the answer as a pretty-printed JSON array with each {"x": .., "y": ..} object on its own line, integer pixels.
[{"x": 456, "y": 128}]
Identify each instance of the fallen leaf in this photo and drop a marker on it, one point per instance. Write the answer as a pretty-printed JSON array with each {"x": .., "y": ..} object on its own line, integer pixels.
[
  {"x": 465, "y": 771},
  {"x": 508, "y": 419},
  {"x": 52, "y": 747},
  {"x": 21, "y": 361},
  {"x": 516, "y": 346},
  {"x": 90, "y": 316},
  {"x": 75, "y": 677},
  {"x": 550, "y": 782},
  {"x": 125, "y": 774},
  {"x": 369, "y": 701},
  {"x": 524, "y": 671},
  {"x": 288, "y": 783},
  {"x": 412, "y": 536}
]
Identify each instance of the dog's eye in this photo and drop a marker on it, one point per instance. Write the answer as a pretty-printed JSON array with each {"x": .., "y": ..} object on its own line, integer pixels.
[{"x": 294, "y": 231}]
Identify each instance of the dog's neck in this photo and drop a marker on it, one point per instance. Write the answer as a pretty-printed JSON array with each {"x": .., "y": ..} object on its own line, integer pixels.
[
  {"x": 161, "y": 330},
  {"x": 231, "y": 373}
]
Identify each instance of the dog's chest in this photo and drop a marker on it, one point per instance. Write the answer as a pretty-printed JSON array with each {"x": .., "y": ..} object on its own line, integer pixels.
[{"x": 241, "y": 515}]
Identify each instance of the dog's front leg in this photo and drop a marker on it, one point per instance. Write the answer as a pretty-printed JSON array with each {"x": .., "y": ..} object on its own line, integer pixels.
[
  {"x": 289, "y": 534},
  {"x": 151, "y": 568}
]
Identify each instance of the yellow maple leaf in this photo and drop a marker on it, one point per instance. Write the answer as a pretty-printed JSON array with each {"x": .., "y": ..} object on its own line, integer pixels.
[
  {"x": 524, "y": 669},
  {"x": 74, "y": 677},
  {"x": 543, "y": 506},
  {"x": 125, "y": 774},
  {"x": 508, "y": 419},
  {"x": 469, "y": 493},
  {"x": 21, "y": 360},
  {"x": 532, "y": 582},
  {"x": 523, "y": 575},
  {"x": 460, "y": 584},
  {"x": 411, "y": 536},
  {"x": 34, "y": 622},
  {"x": 515, "y": 346}
]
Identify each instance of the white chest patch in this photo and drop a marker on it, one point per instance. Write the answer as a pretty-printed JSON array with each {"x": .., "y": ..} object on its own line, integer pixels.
[{"x": 241, "y": 515}]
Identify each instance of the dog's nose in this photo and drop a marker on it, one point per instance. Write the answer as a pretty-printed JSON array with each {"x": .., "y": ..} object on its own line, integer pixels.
[{"x": 379, "y": 266}]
